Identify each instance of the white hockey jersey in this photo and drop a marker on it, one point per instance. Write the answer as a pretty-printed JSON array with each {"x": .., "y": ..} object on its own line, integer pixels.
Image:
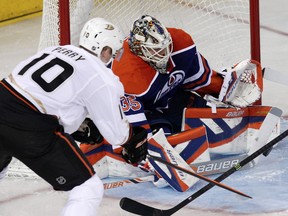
[{"x": 70, "y": 83}]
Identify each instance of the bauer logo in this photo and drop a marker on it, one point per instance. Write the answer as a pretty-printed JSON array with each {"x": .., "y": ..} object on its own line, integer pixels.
[
  {"x": 61, "y": 180},
  {"x": 215, "y": 167},
  {"x": 174, "y": 161}
]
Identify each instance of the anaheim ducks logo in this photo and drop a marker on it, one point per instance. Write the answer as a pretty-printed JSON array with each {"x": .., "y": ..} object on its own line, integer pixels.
[
  {"x": 174, "y": 80},
  {"x": 109, "y": 27}
]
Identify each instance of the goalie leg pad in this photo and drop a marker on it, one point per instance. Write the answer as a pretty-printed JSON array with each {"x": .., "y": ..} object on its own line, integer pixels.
[
  {"x": 231, "y": 130},
  {"x": 159, "y": 146},
  {"x": 108, "y": 162},
  {"x": 192, "y": 145}
]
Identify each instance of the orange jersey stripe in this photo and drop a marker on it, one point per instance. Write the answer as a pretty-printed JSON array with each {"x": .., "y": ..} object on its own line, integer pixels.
[
  {"x": 76, "y": 152},
  {"x": 20, "y": 98}
]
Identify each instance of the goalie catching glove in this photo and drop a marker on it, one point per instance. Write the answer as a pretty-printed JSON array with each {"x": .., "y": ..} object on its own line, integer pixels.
[
  {"x": 239, "y": 86},
  {"x": 136, "y": 148},
  {"x": 88, "y": 133}
]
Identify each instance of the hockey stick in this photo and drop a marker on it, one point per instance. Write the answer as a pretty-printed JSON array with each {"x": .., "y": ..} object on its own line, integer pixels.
[
  {"x": 159, "y": 159},
  {"x": 275, "y": 76},
  {"x": 141, "y": 209}
]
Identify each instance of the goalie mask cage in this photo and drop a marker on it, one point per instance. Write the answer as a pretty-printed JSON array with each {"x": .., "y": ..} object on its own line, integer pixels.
[{"x": 225, "y": 31}]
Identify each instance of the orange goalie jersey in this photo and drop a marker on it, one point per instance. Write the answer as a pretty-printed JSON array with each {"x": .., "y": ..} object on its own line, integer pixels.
[{"x": 147, "y": 89}]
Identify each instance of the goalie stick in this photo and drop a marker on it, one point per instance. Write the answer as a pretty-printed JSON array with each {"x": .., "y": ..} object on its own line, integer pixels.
[
  {"x": 267, "y": 127},
  {"x": 275, "y": 76},
  {"x": 159, "y": 159}
]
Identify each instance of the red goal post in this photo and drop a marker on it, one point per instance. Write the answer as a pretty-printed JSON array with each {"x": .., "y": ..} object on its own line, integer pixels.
[{"x": 225, "y": 31}]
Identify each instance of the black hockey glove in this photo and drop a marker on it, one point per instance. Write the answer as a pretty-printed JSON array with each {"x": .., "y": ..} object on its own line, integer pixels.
[
  {"x": 136, "y": 149},
  {"x": 88, "y": 133}
]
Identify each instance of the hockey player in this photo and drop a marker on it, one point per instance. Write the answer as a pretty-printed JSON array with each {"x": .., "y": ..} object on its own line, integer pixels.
[
  {"x": 160, "y": 67},
  {"x": 47, "y": 97},
  {"x": 107, "y": 42}
]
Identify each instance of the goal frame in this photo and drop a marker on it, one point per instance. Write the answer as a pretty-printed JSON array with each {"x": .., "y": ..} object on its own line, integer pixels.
[
  {"x": 65, "y": 37},
  {"x": 254, "y": 10}
]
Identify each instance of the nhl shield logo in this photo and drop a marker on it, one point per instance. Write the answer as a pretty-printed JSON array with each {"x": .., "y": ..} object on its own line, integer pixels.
[{"x": 61, "y": 180}]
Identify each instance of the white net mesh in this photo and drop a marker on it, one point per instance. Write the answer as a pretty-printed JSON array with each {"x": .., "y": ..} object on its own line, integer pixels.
[
  {"x": 220, "y": 28},
  {"x": 16, "y": 169}
]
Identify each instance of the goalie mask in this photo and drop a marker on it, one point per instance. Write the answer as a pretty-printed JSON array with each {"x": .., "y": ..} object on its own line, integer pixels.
[
  {"x": 98, "y": 34},
  {"x": 151, "y": 41}
]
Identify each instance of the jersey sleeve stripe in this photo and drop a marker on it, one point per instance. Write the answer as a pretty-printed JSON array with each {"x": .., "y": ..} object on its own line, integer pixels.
[{"x": 203, "y": 80}]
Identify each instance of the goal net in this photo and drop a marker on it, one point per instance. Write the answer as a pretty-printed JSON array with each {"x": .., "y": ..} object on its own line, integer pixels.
[{"x": 220, "y": 28}]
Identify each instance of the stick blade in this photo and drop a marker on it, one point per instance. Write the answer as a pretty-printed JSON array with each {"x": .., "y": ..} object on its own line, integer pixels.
[{"x": 135, "y": 207}]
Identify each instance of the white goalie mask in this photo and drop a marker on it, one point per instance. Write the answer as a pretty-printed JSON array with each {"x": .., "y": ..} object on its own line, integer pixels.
[
  {"x": 98, "y": 33},
  {"x": 151, "y": 41}
]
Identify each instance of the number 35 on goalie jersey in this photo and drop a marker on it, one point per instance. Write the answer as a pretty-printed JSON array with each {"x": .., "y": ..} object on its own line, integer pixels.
[{"x": 134, "y": 111}]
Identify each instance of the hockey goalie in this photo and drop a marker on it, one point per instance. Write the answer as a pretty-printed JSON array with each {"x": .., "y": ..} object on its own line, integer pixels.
[{"x": 190, "y": 111}]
